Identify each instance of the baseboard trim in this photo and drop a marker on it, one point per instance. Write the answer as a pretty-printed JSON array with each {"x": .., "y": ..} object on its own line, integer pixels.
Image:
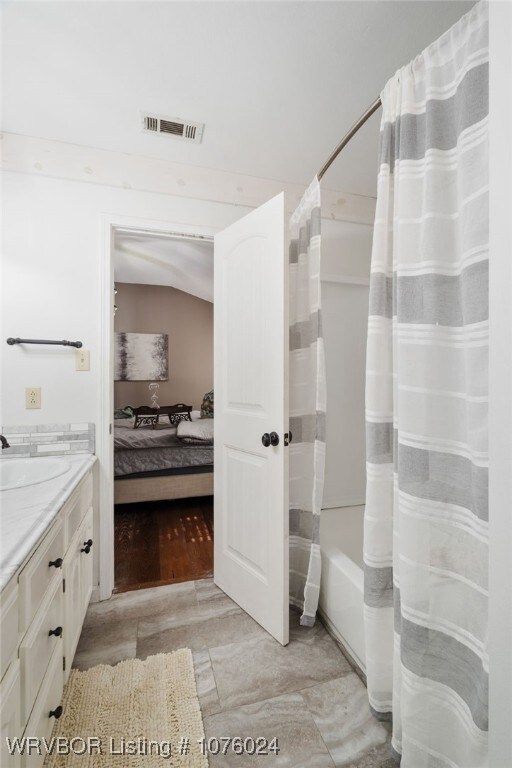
[{"x": 95, "y": 595}]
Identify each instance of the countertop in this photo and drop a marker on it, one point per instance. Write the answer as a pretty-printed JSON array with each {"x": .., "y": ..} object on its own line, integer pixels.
[{"x": 26, "y": 514}]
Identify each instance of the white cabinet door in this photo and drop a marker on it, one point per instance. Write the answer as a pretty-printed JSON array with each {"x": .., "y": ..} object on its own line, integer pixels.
[
  {"x": 46, "y": 708},
  {"x": 72, "y": 603},
  {"x": 78, "y": 579},
  {"x": 86, "y": 561},
  {"x": 251, "y": 400},
  {"x": 10, "y": 723}
]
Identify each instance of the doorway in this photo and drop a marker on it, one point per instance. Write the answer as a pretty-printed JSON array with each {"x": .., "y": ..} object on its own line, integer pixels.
[{"x": 162, "y": 369}]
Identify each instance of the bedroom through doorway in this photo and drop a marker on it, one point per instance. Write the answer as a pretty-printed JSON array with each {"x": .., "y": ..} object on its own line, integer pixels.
[{"x": 163, "y": 407}]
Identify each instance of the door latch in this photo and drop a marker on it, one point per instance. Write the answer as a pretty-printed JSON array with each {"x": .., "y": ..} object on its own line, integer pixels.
[{"x": 288, "y": 437}]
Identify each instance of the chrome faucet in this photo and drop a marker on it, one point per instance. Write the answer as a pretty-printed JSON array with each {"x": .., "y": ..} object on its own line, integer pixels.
[{"x": 4, "y": 442}]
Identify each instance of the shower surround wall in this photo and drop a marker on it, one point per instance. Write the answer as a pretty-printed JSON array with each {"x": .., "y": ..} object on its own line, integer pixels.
[{"x": 345, "y": 276}]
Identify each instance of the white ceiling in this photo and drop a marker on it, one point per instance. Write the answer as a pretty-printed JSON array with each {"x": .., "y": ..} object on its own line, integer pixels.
[
  {"x": 277, "y": 83},
  {"x": 152, "y": 259}
]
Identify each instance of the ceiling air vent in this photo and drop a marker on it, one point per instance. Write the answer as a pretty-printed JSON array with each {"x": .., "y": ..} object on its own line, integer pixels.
[{"x": 174, "y": 126}]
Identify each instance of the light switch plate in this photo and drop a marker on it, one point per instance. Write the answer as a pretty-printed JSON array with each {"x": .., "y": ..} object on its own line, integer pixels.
[
  {"x": 32, "y": 397},
  {"x": 83, "y": 362}
]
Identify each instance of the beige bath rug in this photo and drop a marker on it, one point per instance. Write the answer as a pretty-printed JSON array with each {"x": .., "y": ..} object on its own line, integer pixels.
[{"x": 138, "y": 714}]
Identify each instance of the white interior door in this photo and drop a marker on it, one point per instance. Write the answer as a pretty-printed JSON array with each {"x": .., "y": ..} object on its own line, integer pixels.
[{"x": 251, "y": 400}]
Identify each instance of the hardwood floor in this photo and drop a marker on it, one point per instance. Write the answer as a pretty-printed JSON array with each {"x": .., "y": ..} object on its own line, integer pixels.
[{"x": 162, "y": 542}]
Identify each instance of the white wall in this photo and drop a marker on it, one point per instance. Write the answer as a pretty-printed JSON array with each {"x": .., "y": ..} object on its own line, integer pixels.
[
  {"x": 51, "y": 277},
  {"x": 346, "y": 248},
  {"x": 346, "y": 253}
]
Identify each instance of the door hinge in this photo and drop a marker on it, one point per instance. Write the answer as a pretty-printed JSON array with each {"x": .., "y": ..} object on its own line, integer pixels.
[
  {"x": 110, "y": 429},
  {"x": 63, "y": 585}
]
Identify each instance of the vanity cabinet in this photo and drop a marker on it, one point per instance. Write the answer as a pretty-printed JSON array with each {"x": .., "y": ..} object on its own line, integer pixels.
[{"x": 42, "y": 610}]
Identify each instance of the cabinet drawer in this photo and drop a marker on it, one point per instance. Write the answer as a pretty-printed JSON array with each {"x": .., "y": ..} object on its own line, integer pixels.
[
  {"x": 8, "y": 625},
  {"x": 38, "y": 646},
  {"x": 76, "y": 507},
  {"x": 10, "y": 714},
  {"x": 41, "y": 723},
  {"x": 38, "y": 576}
]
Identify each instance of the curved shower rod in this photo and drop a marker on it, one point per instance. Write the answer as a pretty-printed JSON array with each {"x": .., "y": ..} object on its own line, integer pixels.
[{"x": 345, "y": 140}]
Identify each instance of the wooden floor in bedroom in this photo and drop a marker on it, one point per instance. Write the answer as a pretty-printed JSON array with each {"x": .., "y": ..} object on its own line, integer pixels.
[{"x": 162, "y": 542}]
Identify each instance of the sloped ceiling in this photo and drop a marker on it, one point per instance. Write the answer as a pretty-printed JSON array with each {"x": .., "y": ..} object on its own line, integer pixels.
[
  {"x": 277, "y": 83},
  {"x": 153, "y": 259}
]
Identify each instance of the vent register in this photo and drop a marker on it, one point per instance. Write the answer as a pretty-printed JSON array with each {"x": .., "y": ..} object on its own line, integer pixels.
[{"x": 173, "y": 126}]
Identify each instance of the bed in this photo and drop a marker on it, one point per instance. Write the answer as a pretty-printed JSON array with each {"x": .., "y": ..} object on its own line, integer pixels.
[{"x": 163, "y": 461}]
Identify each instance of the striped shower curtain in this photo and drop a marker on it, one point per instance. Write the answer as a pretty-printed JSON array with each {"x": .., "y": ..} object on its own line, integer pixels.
[
  {"x": 307, "y": 405},
  {"x": 426, "y": 519}
]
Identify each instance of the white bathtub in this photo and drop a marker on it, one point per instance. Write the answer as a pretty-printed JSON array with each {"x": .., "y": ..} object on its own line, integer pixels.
[{"x": 341, "y": 591}]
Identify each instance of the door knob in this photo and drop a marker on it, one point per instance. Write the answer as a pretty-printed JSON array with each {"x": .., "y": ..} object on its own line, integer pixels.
[
  {"x": 274, "y": 438},
  {"x": 56, "y": 713},
  {"x": 265, "y": 439}
]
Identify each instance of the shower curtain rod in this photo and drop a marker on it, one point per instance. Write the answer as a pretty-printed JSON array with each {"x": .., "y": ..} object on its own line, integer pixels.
[{"x": 345, "y": 140}]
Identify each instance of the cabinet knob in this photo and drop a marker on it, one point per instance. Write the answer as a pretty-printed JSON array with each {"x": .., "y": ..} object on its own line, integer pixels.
[
  {"x": 87, "y": 546},
  {"x": 57, "y": 632},
  {"x": 55, "y": 563},
  {"x": 56, "y": 713}
]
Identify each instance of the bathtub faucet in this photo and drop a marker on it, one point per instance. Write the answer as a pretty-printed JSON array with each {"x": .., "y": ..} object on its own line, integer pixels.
[{"x": 5, "y": 444}]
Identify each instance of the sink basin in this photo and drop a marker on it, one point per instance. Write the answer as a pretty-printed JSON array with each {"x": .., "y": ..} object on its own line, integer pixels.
[{"x": 18, "y": 473}]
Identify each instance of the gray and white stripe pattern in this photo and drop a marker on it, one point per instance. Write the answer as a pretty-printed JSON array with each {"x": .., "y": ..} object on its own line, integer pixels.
[
  {"x": 307, "y": 405},
  {"x": 426, "y": 518}
]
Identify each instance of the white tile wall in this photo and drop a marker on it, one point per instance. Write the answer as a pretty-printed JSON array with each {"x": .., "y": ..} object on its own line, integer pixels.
[{"x": 49, "y": 440}]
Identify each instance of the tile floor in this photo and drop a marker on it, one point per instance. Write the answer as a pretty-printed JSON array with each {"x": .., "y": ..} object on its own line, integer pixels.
[{"x": 306, "y": 694}]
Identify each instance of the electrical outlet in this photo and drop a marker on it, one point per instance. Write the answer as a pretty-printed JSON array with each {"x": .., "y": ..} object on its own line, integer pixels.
[
  {"x": 33, "y": 397},
  {"x": 82, "y": 357}
]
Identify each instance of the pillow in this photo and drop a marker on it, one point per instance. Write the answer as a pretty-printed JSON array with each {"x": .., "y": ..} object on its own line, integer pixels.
[
  {"x": 207, "y": 406},
  {"x": 123, "y": 413},
  {"x": 196, "y": 431}
]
